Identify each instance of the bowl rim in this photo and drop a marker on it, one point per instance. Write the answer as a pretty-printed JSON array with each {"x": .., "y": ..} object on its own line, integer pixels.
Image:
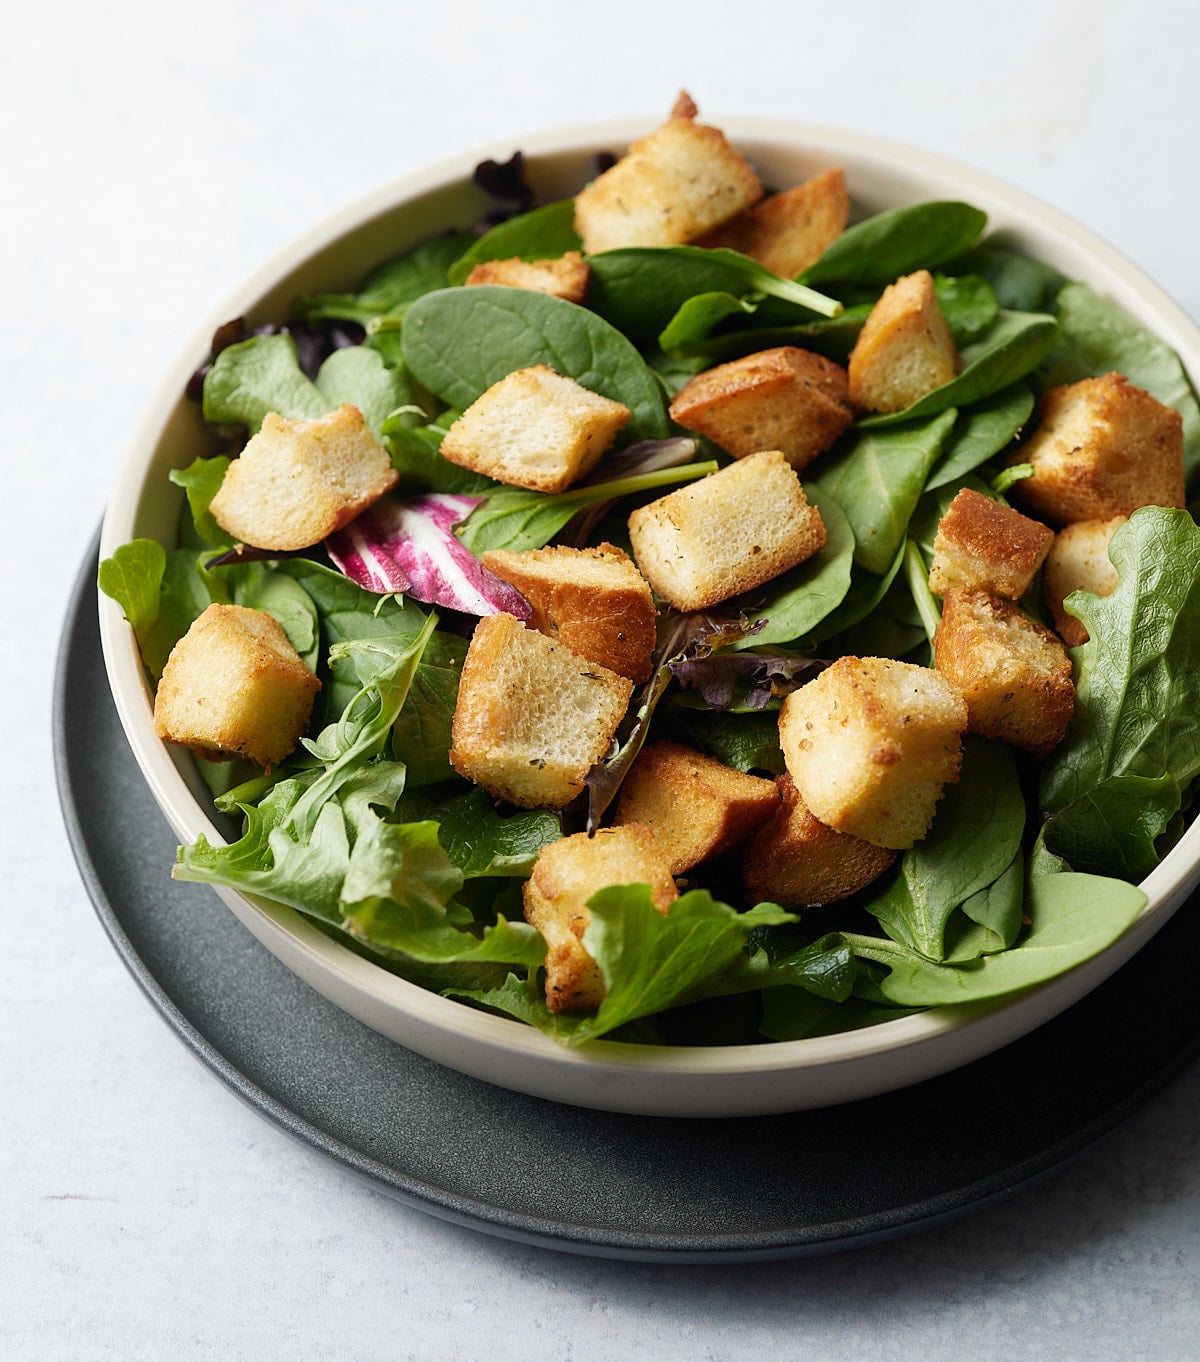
[{"x": 315, "y": 954}]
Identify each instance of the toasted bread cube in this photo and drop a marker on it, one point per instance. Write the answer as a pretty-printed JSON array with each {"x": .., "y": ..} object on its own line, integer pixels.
[
  {"x": 234, "y": 686},
  {"x": 594, "y": 600},
  {"x": 983, "y": 543},
  {"x": 1078, "y": 561},
  {"x": 565, "y": 875},
  {"x": 670, "y": 187},
  {"x": 871, "y": 744},
  {"x": 1013, "y": 672},
  {"x": 535, "y": 429},
  {"x": 905, "y": 348},
  {"x": 1101, "y": 448},
  {"x": 564, "y": 277},
  {"x": 795, "y": 858},
  {"x": 726, "y": 533},
  {"x": 297, "y": 482},
  {"x": 786, "y": 399},
  {"x": 696, "y": 806},
  {"x": 532, "y": 717},
  {"x": 792, "y": 230}
]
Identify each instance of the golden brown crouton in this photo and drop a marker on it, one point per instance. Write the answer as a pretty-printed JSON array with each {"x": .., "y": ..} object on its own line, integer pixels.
[
  {"x": 696, "y": 806},
  {"x": 786, "y": 399},
  {"x": 535, "y": 429},
  {"x": 795, "y": 858},
  {"x": 532, "y": 717},
  {"x": 670, "y": 187},
  {"x": 594, "y": 600},
  {"x": 235, "y": 687},
  {"x": 1079, "y": 561},
  {"x": 871, "y": 743},
  {"x": 564, "y": 277},
  {"x": 905, "y": 348},
  {"x": 1101, "y": 448},
  {"x": 566, "y": 874},
  {"x": 982, "y": 543},
  {"x": 790, "y": 231},
  {"x": 726, "y": 533},
  {"x": 297, "y": 482},
  {"x": 1013, "y": 672}
]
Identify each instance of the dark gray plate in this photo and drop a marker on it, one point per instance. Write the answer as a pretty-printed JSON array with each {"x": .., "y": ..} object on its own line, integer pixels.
[{"x": 617, "y": 1186}]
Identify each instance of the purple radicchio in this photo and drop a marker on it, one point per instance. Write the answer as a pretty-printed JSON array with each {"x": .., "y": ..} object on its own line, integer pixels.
[{"x": 410, "y": 547}]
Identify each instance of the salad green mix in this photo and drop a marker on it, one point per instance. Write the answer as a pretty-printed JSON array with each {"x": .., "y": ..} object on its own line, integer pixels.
[{"x": 1028, "y": 869}]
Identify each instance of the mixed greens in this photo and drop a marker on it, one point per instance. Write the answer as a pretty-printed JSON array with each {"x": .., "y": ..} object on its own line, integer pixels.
[{"x": 367, "y": 829}]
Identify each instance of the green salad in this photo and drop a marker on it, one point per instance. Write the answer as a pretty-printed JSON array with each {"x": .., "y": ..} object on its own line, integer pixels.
[{"x": 1030, "y": 866}]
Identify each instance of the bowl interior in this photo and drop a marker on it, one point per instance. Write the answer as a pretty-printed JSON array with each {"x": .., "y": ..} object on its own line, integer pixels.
[{"x": 732, "y": 1080}]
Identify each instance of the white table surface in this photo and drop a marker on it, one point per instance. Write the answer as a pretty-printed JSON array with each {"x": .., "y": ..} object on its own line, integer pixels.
[{"x": 152, "y": 154}]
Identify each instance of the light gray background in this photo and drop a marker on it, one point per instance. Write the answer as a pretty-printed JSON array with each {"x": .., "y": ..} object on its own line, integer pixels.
[{"x": 152, "y": 154}]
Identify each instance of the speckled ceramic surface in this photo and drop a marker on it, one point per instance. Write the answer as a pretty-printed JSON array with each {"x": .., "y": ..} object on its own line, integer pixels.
[{"x": 561, "y": 1176}]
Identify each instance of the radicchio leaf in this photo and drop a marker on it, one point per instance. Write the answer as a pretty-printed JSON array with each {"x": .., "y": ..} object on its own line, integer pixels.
[{"x": 410, "y": 547}]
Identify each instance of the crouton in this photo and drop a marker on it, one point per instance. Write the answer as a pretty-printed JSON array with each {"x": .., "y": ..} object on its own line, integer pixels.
[
  {"x": 905, "y": 348},
  {"x": 1013, "y": 673},
  {"x": 1101, "y": 448},
  {"x": 696, "y": 806},
  {"x": 871, "y": 743},
  {"x": 535, "y": 429},
  {"x": 594, "y": 600},
  {"x": 565, "y": 875},
  {"x": 786, "y": 399},
  {"x": 564, "y": 277},
  {"x": 671, "y": 186},
  {"x": 297, "y": 482},
  {"x": 726, "y": 533},
  {"x": 1078, "y": 561},
  {"x": 983, "y": 543},
  {"x": 532, "y": 717},
  {"x": 234, "y": 686},
  {"x": 790, "y": 231},
  {"x": 795, "y": 858}
]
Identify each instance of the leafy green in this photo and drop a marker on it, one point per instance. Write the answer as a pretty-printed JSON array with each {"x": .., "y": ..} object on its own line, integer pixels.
[
  {"x": 201, "y": 481},
  {"x": 258, "y": 376},
  {"x": 387, "y": 290},
  {"x": 981, "y": 432},
  {"x": 458, "y": 342},
  {"x": 1074, "y": 917},
  {"x": 133, "y": 578},
  {"x": 359, "y": 375},
  {"x": 881, "y": 248},
  {"x": 876, "y": 476},
  {"x": 541, "y": 233}
]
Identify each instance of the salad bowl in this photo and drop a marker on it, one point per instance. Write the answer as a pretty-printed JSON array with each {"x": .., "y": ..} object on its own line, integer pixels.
[{"x": 691, "y": 1081}]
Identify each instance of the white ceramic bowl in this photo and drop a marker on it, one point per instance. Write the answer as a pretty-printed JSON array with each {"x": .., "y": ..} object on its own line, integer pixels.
[{"x": 706, "y": 1081}]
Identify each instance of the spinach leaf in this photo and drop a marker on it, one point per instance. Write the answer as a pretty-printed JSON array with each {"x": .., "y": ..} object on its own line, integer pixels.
[
  {"x": 1074, "y": 917},
  {"x": 747, "y": 742},
  {"x": 133, "y": 578},
  {"x": 877, "y": 476},
  {"x": 797, "y": 1014},
  {"x": 1019, "y": 282},
  {"x": 981, "y": 432},
  {"x": 796, "y": 602},
  {"x": 990, "y": 920},
  {"x": 881, "y": 248},
  {"x": 973, "y": 840},
  {"x": 1106, "y": 339},
  {"x": 516, "y": 519},
  {"x": 484, "y": 843},
  {"x": 388, "y": 289},
  {"x": 459, "y": 342},
  {"x": 421, "y": 733},
  {"x": 968, "y": 305},
  {"x": 258, "y": 376},
  {"x": 359, "y": 375},
  {"x": 286, "y": 601},
  {"x": 201, "y": 481},
  {"x": 540, "y": 233},
  {"x": 1116, "y": 826},
  {"x": 1137, "y": 708},
  {"x": 1012, "y": 347}
]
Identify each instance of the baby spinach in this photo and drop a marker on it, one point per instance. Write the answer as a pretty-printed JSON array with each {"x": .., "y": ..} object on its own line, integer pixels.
[
  {"x": 876, "y": 476},
  {"x": 258, "y": 376},
  {"x": 881, "y": 248},
  {"x": 1074, "y": 917},
  {"x": 387, "y": 290},
  {"x": 981, "y": 432},
  {"x": 542, "y": 232},
  {"x": 459, "y": 342},
  {"x": 974, "y": 838}
]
